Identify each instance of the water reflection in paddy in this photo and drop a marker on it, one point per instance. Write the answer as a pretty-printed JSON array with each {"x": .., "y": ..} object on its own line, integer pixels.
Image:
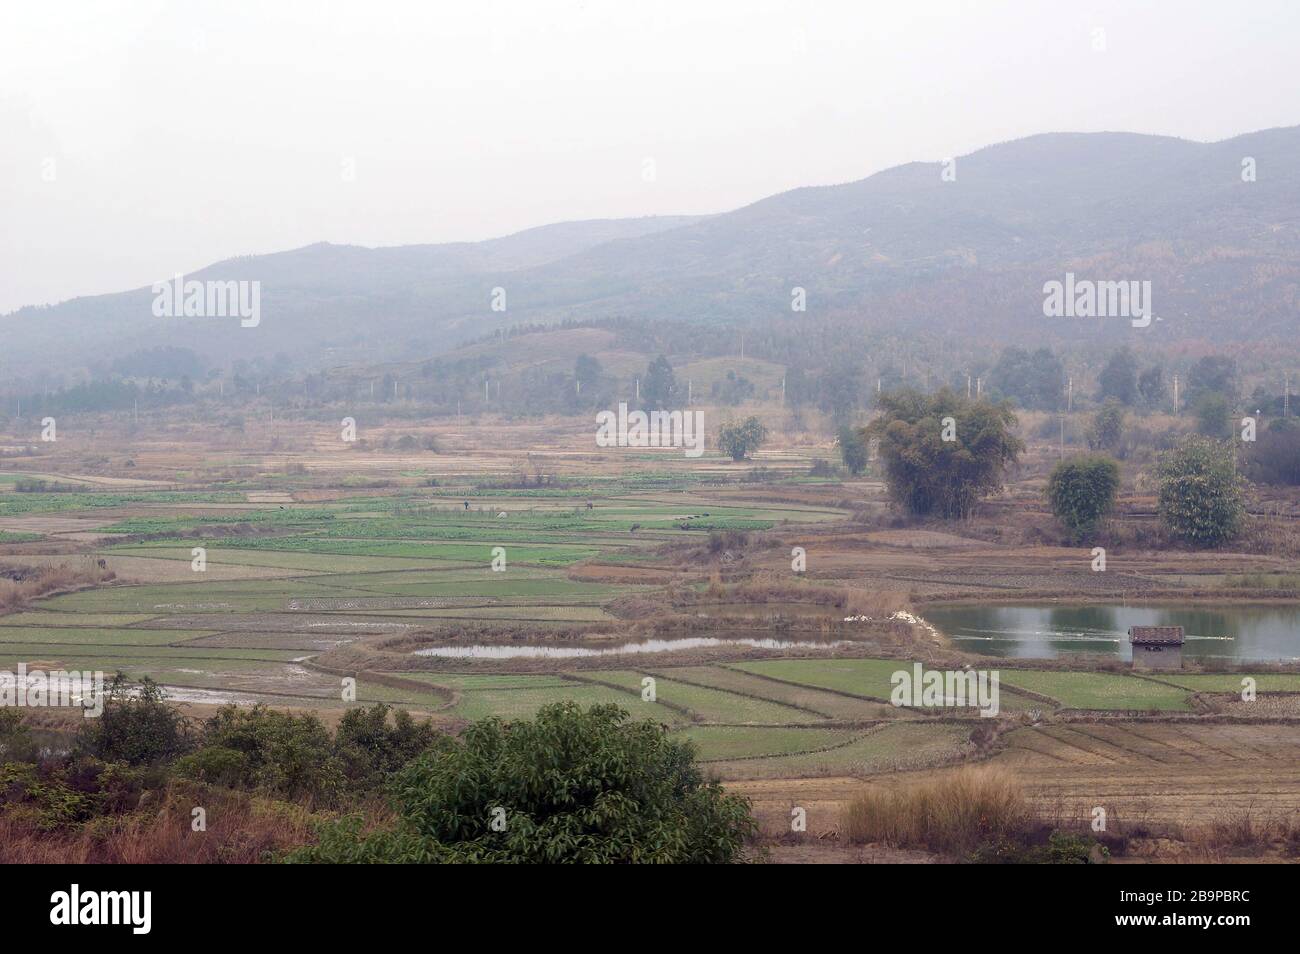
[
  {"x": 535, "y": 651},
  {"x": 1239, "y": 632}
]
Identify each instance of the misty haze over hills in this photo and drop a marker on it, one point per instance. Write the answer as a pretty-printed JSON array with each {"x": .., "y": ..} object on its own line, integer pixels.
[{"x": 902, "y": 249}]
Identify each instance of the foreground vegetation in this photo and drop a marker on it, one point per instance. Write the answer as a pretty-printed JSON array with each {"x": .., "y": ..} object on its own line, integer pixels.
[{"x": 141, "y": 783}]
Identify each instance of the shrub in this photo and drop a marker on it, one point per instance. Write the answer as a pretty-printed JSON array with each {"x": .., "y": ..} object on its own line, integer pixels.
[
  {"x": 16, "y": 741},
  {"x": 215, "y": 765},
  {"x": 1082, "y": 491},
  {"x": 372, "y": 751},
  {"x": 1106, "y": 431},
  {"x": 46, "y": 802},
  {"x": 136, "y": 727},
  {"x": 283, "y": 754},
  {"x": 1201, "y": 497},
  {"x": 569, "y": 786}
]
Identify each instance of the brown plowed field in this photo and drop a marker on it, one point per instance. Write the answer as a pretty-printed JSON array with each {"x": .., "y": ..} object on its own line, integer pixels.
[{"x": 1155, "y": 775}]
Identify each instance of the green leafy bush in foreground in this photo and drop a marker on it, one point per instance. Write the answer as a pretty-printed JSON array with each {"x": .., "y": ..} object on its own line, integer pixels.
[{"x": 571, "y": 786}]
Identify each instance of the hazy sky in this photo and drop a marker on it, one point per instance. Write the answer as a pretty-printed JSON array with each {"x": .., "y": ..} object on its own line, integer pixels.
[{"x": 140, "y": 139}]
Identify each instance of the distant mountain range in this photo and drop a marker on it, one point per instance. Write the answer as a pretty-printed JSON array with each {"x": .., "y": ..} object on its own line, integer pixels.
[{"x": 964, "y": 254}]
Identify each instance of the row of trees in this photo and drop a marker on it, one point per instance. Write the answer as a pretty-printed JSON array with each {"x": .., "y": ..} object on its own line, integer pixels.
[
  {"x": 941, "y": 453},
  {"x": 1201, "y": 496}
]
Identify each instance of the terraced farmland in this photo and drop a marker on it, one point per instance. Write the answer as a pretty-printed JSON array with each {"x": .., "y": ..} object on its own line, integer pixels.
[{"x": 286, "y": 582}]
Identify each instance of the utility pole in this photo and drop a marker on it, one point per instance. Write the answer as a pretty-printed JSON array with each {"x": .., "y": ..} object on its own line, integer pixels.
[
  {"x": 783, "y": 390},
  {"x": 1175, "y": 394},
  {"x": 967, "y": 386},
  {"x": 638, "y": 392},
  {"x": 1069, "y": 396},
  {"x": 690, "y": 391}
]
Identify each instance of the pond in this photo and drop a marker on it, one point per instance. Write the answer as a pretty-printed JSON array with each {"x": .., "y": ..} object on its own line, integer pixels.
[{"x": 1244, "y": 632}]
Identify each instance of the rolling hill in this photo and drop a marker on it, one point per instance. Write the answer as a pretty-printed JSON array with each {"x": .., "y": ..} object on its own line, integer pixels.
[{"x": 905, "y": 248}]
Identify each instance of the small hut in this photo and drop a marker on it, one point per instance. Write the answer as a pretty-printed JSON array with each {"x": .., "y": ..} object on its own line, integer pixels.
[{"x": 1157, "y": 647}]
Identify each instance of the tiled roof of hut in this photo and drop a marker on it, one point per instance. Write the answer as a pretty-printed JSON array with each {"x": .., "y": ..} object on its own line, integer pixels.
[{"x": 1161, "y": 635}]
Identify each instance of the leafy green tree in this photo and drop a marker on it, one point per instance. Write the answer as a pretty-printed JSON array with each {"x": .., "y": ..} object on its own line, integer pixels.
[
  {"x": 1081, "y": 491},
  {"x": 1214, "y": 416},
  {"x": 1212, "y": 374},
  {"x": 1202, "y": 500},
  {"x": 1151, "y": 386},
  {"x": 659, "y": 386},
  {"x": 137, "y": 726},
  {"x": 1033, "y": 380},
  {"x": 1107, "y": 427},
  {"x": 1275, "y": 456},
  {"x": 926, "y": 473},
  {"x": 732, "y": 389},
  {"x": 570, "y": 786},
  {"x": 738, "y": 441},
  {"x": 1118, "y": 378},
  {"x": 842, "y": 388},
  {"x": 372, "y": 749},
  {"x": 853, "y": 450},
  {"x": 587, "y": 371}
]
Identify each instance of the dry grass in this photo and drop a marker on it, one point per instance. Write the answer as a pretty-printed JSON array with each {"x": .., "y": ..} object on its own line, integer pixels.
[
  {"x": 955, "y": 812},
  {"x": 1244, "y": 830},
  {"x": 33, "y": 582},
  {"x": 240, "y": 830}
]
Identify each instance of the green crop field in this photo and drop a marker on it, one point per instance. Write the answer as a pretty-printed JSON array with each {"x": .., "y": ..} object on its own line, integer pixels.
[
  {"x": 707, "y": 705},
  {"x": 1098, "y": 690},
  {"x": 1231, "y": 682},
  {"x": 318, "y": 576}
]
